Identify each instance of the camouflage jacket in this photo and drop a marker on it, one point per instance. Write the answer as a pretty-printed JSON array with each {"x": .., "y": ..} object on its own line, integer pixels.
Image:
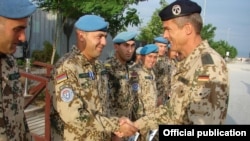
[
  {"x": 163, "y": 77},
  {"x": 147, "y": 92},
  {"x": 13, "y": 126},
  {"x": 79, "y": 100},
  {"x": 200, "y": 92},
  {"x": 123, "y": 86}
]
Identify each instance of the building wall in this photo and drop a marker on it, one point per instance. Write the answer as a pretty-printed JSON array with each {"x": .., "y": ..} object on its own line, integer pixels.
[{"x": 42, "y": 27}]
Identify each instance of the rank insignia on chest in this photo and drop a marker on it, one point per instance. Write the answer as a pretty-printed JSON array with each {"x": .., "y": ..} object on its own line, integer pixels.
[
  {"x": 203, "y": 78},
  {"x": 149, "y": 77},
  {"x": 14, "y": 76},
  {"x": 61, "y": 77},
  {"x": 91, "y": 75},
  {"x": 183, "y": 80},
  {"x": 83, "y": 75}
]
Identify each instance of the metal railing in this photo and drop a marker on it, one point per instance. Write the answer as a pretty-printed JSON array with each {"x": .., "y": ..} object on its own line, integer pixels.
[{"x": 38, "y": 89}]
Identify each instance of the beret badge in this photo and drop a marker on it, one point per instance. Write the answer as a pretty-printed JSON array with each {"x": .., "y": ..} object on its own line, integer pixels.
[{"x": 176, "y": 10}]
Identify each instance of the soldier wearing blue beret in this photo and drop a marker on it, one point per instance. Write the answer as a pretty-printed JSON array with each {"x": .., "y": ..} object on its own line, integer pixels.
[
  {"x": 147, "y": 92},
  {"x": 149, "y": 48},
  {"x": 123, "y": 79},
  {"x": 137, "y": 57},
  {"x": 14, "y": 16},
  {"x": 162, "y": 69},
  {"x": 200, "y": 88},
  {"x": 138, "y": 50},
  {"x": 124, "y": 37},
  {"x": 160, "y": 39},
  {"x": 80, "y": 100},
  {"x": 90, "y": 23}
]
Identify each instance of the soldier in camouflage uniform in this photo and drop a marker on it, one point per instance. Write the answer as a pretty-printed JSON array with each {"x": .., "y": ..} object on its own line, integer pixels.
[
  {"x": 13, "y": 21},
  {"x": 137, "y": 57},
  {"x": 162, "y": 70},
  {"x": 147, "y": 92},
  {"x": 79, "y": 101},
  {"x": 173, "y": 59},
  {"x": 123, "y": 80},
  {"x": 200, "y": 89}
]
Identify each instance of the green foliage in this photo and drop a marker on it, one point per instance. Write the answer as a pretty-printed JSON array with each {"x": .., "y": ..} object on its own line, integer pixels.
[
  {"x": 45, "y": 54},
  {"x": 112, "y": 10},
  {"x": 222, "y": 47},
  {"x": 20, "y": 62},
  {"x": 208, "y": 32},
  {"x": 153, "y": 28}
]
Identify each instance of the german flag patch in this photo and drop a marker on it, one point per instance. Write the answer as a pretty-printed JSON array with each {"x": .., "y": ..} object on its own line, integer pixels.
[
  {"x": 61, "y": 77},
  {"x": 203, "y": 78}
]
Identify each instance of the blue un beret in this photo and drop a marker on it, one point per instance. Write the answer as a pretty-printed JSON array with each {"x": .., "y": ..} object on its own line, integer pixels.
[
  {"x": 161, "y": 40},
  {"x": 138, "y": 50},
  {"x": 149, "y": 48},
  {"x": 124, "y": 37},
  {"x": 179, "y": 8},
  {"x": 16, "y": 9},
  {"x": 91, "y": 23}
]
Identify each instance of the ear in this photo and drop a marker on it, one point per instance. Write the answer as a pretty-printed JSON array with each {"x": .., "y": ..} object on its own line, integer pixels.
[
  {"x": 116, "y": 46},
  {"x": 188, "y": 28},
  {"x": 80, "y": 35}
]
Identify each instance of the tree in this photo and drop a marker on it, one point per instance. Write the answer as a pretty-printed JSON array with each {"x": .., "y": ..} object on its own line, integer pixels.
[
  {"x": 68, "y": 11},
  {"x": 222, "y": 47},
  {"x": 153, "y": 28},
  {"x": 117, "y": 12},
  {"x": 208, "y": 32}
]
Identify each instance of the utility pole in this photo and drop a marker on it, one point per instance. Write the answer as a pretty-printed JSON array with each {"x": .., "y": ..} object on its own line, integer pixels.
[{"x": 204, "y": 11}]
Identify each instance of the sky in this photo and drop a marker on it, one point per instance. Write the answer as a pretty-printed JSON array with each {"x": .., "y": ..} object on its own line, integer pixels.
[{"x": 230, "y": 17}]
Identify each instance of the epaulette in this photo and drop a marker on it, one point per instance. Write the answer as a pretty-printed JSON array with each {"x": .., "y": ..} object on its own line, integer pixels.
[
  {"x": 206, "y": 59},
  {"x": 107, "y": 65}
]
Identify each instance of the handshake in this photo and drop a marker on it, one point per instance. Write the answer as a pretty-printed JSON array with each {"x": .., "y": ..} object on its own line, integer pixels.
[{"x": 127, "y": 128}]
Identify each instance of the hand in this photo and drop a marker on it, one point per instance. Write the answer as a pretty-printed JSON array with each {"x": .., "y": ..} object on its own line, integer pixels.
[
  {"x": 126, "y": 128},
  {"x": 116, "y": 138},
  {"x": 159, "y": 100}
]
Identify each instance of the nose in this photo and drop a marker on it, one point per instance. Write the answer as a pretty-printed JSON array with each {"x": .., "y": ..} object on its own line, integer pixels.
[
  {"x": 166, "y": 34},
  {"x": 103, "y": 41},
  {"x": 22, "y": 36}
]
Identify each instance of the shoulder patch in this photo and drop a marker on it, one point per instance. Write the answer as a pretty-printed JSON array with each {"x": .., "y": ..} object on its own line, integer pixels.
[
  {"x": 67, "y": 94},
  {"x": 61, "y": 77},
  {"x": 207, "y": 59}
]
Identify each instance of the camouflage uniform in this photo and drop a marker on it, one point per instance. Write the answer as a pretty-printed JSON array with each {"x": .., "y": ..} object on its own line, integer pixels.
[
  {"x": 13, "y": 126},
  {"x": 147, "y": 92},
  {"x": 79, "y": 110},
  {"x": 123, "y": 86},
  {"x": 162, "y": 74},
  {"x": 200, "y": 92},
  {"x": 172, "y": 70},
  {"x": 147, "y": 95}
]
